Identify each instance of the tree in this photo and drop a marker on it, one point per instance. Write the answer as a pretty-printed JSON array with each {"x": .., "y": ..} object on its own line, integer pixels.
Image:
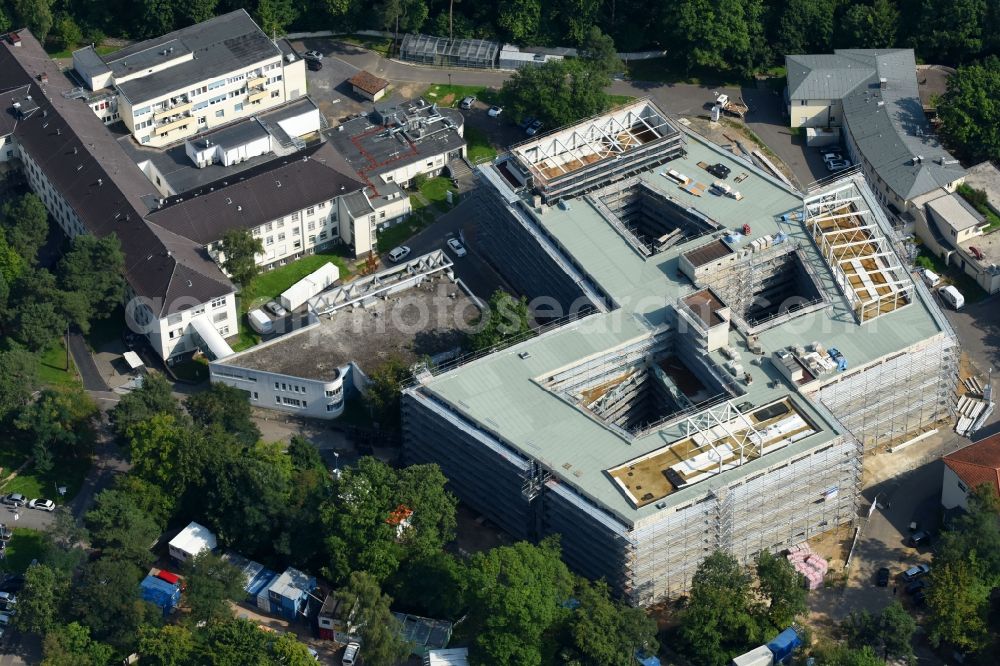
[
  {"x": 155, "y": 17},
  {"x": 71, "y": 645},
  {"x": 63, "y": 552},
  {"x": 598, "y": 51},
  {"x": 897, "y": 629},
  {"x": 18, "y": 380},
  {"x": 869, "y": 26},
  {"x": 432, "y": 585},
  {"x": 153, "y": 397},
  {"x": 506, "y": 318},
  {"x": 94, "y": 270},
  {"x": 60, "y": 424},
  {"x": 241, "y": 642},
  {"x": 122, "y": 530},
  {"x": 968, "y": 112},
  {"x": 841, "y": 655},
  {"x": 227, "y": 408},
  {"x": 170, "y": 645},
  {"x": 38, "y": 325},
  {"x": 958, "y": 599},
  {"x": 240, "y": 249},
  {"x": 951, "y": 33},
  {"x": 377, "y": 627},
  {"x": 804, "y": 26},
  {"x": 781, "y": 589},
  {"x": 211, "y": 583},
  {"x": 520, "y": 19},
  {"x": 194, "y": 11},
  {"x": 607, "y": 632},
  {"x": 304, "y": 455},
  {"x": 26, "y": 223},
  {"x": 516, "y": 594},
  {"x": 11, "y": 266},
  {"x": 722, "y": 619},
  {"x": 710, "y": 35},
  {"x": 106, "y": 599},
  {"x": 38, "y": 602},
  {"x": 36, "y": 14},
  {"x": 274, "y": 16},
  {"x": 384, "y": 391},
  {"x": 66, "y": 34}
]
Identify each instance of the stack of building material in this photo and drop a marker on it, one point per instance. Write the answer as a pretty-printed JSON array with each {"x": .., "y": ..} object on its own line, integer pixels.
[{"x": 812, "y": 567}]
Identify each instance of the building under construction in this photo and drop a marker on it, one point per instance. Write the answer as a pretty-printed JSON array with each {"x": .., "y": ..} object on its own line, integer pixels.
[{"x": 742, "y": 345}]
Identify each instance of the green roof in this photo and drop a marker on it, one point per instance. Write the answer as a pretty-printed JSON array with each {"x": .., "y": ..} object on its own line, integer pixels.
[{"x": 500, "y": 392}]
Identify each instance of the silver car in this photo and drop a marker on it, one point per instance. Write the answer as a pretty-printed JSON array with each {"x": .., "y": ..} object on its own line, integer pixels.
[{"x": 275, "y": 308}]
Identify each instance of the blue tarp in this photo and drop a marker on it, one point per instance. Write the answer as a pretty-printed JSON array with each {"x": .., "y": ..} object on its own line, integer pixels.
[
  {"x": 159, "y": 592},
  {"x": 645, "y": 660},
  {"x": 784, "y": 644}
]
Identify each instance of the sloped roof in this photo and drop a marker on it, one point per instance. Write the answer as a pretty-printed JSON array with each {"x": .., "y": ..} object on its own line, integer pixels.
[
  {"x": 887, "y": 124},
  {"x": 978, "y": 463},
  {"x": 368, "y": 82},
  {"x": 98, "y": 180},
  {"x": 273, "y": 190}
]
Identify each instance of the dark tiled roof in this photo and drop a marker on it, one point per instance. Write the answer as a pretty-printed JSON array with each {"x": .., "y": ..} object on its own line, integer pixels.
[
  {"x": 263, "y": 194},
  {"x": 220, "y": 45},
  {"x": 978, "y": 463},
  {"x": 368, "y": 82},
  {"x": 84, "y": 163}
]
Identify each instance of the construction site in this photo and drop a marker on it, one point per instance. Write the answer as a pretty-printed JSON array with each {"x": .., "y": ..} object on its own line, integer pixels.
[{"x": 737, "y": 348}]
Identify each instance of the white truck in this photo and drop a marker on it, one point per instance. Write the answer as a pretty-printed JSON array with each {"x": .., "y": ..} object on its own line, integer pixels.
[
  {"x": 312, "y": 284},
  {"x": 733, "y": 107}
]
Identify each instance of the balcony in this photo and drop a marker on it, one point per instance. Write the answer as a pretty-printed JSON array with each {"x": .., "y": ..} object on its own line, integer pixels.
[
  {"x": 172, "y": 111},
  {"x": 256, "y": 96},
  {"x": 160, "y": 130},
  {"x": 258, "y": 82}
]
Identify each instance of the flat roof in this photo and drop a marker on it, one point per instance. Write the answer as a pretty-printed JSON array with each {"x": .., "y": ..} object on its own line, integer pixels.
[
  {"x": 194, "y": 538},
  {"x": 214, "y": 47},
  {"x": 504, "y": 393},
  {"x": 953, "y": 210},
  {"x": 424, "y": 320}
]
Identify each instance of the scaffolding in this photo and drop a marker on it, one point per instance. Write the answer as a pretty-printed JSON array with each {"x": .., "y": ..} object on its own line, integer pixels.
[
  {"x": 444, "y": 52},
  {"x": 860, "y": 255}
]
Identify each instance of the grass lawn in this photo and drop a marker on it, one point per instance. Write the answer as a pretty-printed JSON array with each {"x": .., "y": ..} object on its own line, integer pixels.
[
  {"x": 949, "y": 274},
  {"x": 191, "y": 370},
  {"x": 69, "y": 473},
  {"x": 619, "y": 100},
  {"x": 269, "y": 285},
  {"x": 379, "y": 45},
  {"x": 479, "y": 147},
  {"x": 400, "y": 233},
  {"x": 52, "y": 367},
  {"x": 247, "y": 336},
  {"x": 68, "y": 53},
  {"x": 25, "y": 545},
  {"x": 447, "y": 95},
  {"x": 435, "y": 190}
]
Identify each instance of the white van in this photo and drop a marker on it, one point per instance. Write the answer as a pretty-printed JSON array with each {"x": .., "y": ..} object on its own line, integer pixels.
[
  {"x": 260, "y": 322},
  {"x": 930, "y": 278},
  {"x": 952, "y": 297}
]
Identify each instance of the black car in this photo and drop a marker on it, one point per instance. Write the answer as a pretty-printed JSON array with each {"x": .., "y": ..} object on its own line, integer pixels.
[
  {"x": 916, "y": 586},
  {"x": 314, "y": 65},
  {"x": 882, "y": 577},
  {"x": 719, "y": 170},
  {"x": 920, "y": 538},
  {"x": 12, "y": 584}
]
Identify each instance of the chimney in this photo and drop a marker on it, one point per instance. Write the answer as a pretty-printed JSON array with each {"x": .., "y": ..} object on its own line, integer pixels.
[{"x": 100, "y": 181}]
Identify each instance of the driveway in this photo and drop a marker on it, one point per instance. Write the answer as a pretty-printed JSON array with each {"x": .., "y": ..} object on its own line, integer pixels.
[{"x": 978, "y": 329}]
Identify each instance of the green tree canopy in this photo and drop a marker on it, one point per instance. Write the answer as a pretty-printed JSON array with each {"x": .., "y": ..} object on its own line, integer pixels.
[
  {"x": 605, "y": 632},
  {"x": 516, "y": 594},
  {"x": 36, "y": 14},
  {"x": 970, "y": 111},
  {"x": 384, "y": 391},
  {"x": 274, "y": 16},
  {"x": 39, "y": 601},
  {"x": 241, "y": 248},
  {"x": 18, "y": 380},
  {"x": 26, "y": 223},
  {"x": 170, "y": 645},
  {"x": 94, "y": 270},
  {"x": 59, "y": 424},
  {"x": 781, "y": 590},
  {"x": 952, "y": 32},
  {"x": 378, "y": 628},
  {"x": 71, "y": 645},
  {"x": 227, "y": 408},
  {"x": 506, "y": 318},
  {"x": 211, "y": 583},
  {"x": 121, "y": 529},
  {"x": 871, "y": 26},
  {"x": 153, "y": 397},
  {"x": 106, "y": 599}
]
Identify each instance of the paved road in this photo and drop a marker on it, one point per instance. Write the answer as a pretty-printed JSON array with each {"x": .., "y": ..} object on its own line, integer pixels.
[
  {"x": 91, "y": 376},
  {"x": 978, "y": 329}
]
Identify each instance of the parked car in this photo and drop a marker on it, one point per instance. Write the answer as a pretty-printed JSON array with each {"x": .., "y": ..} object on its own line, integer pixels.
[
  {"x": 882, "y": 577},
  {"x": 42, "y": 504},
  {"x": 351, "y": 654},
  {"x": 312, "y": 55},
  {"x": 275, "y": 308},
  {"x": 916, "y": 586},
  {"x": 953, "y": 297},
  {"x": 930, "y": 278},
  {"x": 915, "y": 572},
  {"x": 457, "y": 247},
  {"x": 467, "y": 102},
  {"x": 397, "y": 254},
  {"x": 260, "y": 322},
  {"x": 16, "y": 499},
  {"x": 495, "y": 111},
  {"x": 837, "y": 165},
  {"x": 5, "y": 618},
  {"x": 719, "y": 170},
  {"x": 7, "y": 600},
  {"x": 919, "y": 538},
  {"x": 527, "y": 122},
  {"x": 314, "y": 65},
  {"x": 828, "y": 156},
  {"x": 534, "y": 128},
  {"x": 12, "y": 583}
]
